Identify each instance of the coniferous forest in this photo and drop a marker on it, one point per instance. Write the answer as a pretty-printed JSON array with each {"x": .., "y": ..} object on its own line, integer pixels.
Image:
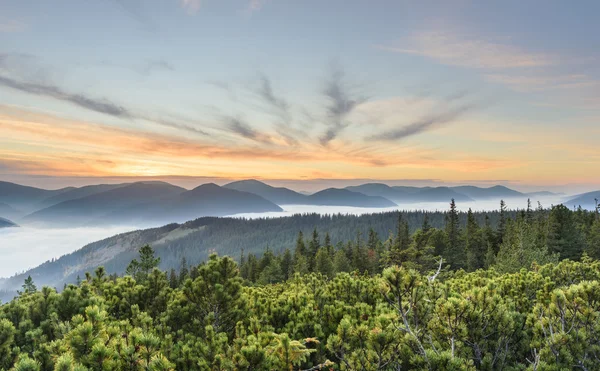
[{"x": 521, "y": 293}]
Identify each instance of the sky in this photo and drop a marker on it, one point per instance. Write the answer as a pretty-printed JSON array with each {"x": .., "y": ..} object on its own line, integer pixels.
[{"x": 420, "y": 92}]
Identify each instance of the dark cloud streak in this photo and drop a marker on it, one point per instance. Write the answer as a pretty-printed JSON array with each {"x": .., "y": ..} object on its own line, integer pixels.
[
  {"x": 341, "y": 104},
  {"x": 424, "y": 124},
  {"x": 100, "y": 106}
]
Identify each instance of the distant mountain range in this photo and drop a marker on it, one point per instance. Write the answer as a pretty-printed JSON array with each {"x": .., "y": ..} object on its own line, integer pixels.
[
  {"x": 155, "y": 202},
  {"x": 326, "y": 197},
  {"x": 159, "y": 202},
  {"x": 5, "y": 223},
  {"x": 402, "y": 194}
]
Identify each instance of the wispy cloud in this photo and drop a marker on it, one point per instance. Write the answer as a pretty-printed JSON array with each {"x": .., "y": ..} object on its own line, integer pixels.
[
  {"x": 452, "y": 49},
  {"x": 266, "y": 92},
  {"x": 422, "y": 125},
  {"x": 241, "y": 128},
  {"x": 98, "y": 105},
  {"x": 341, "y": 102},
  {"x": 529, "y": 83}
]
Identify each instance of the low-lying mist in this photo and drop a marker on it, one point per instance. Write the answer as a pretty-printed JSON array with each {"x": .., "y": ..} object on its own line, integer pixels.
[{"x": 27, "y": 247}]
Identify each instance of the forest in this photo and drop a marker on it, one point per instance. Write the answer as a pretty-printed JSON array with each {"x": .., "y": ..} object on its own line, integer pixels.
[{"x": 520, "y": 292}]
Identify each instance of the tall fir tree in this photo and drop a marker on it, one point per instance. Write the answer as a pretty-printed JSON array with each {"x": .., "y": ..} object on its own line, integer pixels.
[{"x": 455, "y": 253}]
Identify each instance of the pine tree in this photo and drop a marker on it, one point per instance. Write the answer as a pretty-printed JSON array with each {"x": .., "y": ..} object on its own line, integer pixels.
[
  {"x": 502, "y": 222},
  {"x": 476, "y": 249},
  {"x": 313, "y": 248},
  {"x": 183, "y": 270},
  {"x": 563, "y": 237},
  {"x": 142, "y": 268},
  {"x": 455, "y": 254},
  {"x": 28, "y": 286},
  {"x": 341, "y": 262},
  {"x": 287, "y": 264},
  {"x": 324, "y": 264},
  {"x": 173, "y": 282},
  {"x": 300, "y": 246}
]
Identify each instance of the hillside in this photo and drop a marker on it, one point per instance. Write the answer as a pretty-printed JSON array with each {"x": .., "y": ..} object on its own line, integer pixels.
[
  {"x": 5, "y": 223},
  {"x": 96, "y": 207},
  {"x": 196, "y": 239},
  {"x": 9, "y": 211},
  {"x": 401, "y": 194},
  {"x": 277, "y": 195},
  {"x": 585, "y": 200},
  {"x": 25, "y": 198},
  {"x": 81, "y": 192},
  {"x": 496, "y": 192},
  {"x": 344, "y": 197}
]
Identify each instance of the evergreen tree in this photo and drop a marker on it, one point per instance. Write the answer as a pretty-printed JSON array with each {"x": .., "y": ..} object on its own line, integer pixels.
[
  {"x": 563, "y": 238},
  {"x": 28, "y": 286},
  {"x": 454, "y": 253},
  {"x": 183, "y": 270},
  {"x": 313, "y": 248},
  {"x": 142, "y": 268},
  {"x": 287, "y": 264},
  {"x": 341, "y": 262},
  {"x": 324, "y": 263},
  {"x": 476, "y": 249},
  {"x": 502, "y": 222},
  {"x": 173, "y": 281}
]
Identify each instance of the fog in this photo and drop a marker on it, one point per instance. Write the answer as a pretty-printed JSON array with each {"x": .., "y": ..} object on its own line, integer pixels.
[
  {"x": 27, "y": 247},
  {"x": 485, "y": 205}
]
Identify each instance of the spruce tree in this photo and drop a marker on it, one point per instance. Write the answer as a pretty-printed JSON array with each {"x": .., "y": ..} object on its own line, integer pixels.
[{"x": 455, "y": 254}]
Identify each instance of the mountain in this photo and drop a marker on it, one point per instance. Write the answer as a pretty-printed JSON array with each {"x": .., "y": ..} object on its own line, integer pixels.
[
  {"x": 150, "y": 203},
  {"x": 543, "y": 194},
  {"x": 25, "y": 198},
  {"x": 441, "y": 194},
  {"x": 380, "y": 189},
  {"x": 277, "y": 195},
  {"x": 585, "y": 200},
  {"x": 495, "y": 192},
  {"x": 403, "y": 194},
  {"x": 344, "y": 197},
  {"x": 93, "y": 208},
  {"x": 205, "y": 200},
  {"x": 5, "y": 223},
  {"x": 81, "y": 192},
  {"x": 9, "y": 211}
]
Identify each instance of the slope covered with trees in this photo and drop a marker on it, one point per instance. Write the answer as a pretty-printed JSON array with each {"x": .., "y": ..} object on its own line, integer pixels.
[{"x": 215, "y": 316}]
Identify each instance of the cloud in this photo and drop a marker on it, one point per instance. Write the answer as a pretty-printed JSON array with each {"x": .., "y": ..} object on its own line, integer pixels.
[
  {"x": 341, "y": 104},
  {"x": 101, "y": 106},
  {"x": 452, "y": 49},
  {"x": 423, "y": 124},
  {"x": 97, "y": 105},
  {"x": 523, "y": 83},
  {"x": 266, "y": 92},
  {"x": 244, "y": 130}
]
